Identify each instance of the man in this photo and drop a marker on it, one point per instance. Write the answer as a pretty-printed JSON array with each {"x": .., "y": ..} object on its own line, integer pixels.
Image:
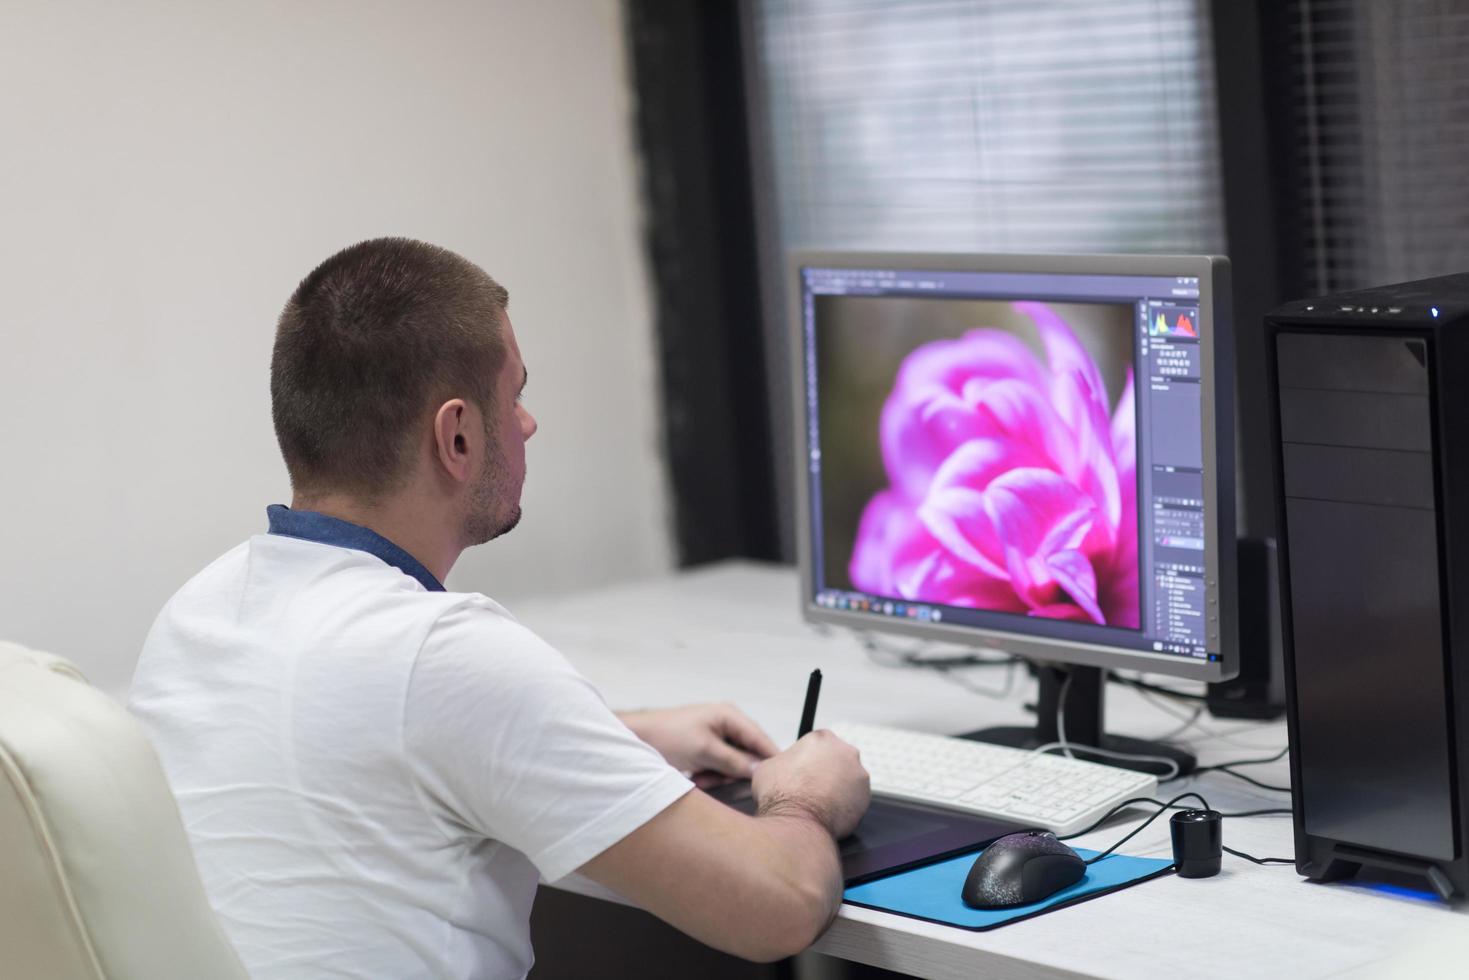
[{"x": 375, "y": 772}]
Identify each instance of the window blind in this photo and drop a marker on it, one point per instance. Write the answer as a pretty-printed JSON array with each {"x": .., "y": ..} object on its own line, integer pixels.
[
  {"x": 979, "y": 126},
  {"x": 1380, "y": 116},
  {"x": 991, "y": 125}
]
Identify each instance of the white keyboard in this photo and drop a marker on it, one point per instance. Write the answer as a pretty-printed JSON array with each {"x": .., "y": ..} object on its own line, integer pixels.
[{"x": 1060, "y": 794}]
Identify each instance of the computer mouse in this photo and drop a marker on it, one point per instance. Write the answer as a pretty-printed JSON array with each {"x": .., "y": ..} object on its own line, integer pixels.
[{"x": 1019, "y": 869}]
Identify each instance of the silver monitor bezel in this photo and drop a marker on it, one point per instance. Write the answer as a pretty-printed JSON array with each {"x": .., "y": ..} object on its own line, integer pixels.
[{"x": 1217, "y": 368}]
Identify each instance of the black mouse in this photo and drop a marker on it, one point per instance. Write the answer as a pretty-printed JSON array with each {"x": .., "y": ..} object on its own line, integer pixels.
[{"x": 1021, "y": 868}]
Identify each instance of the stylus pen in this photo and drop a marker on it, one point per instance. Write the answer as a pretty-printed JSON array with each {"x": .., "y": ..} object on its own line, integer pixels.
[{"x": 808, "y": 713}]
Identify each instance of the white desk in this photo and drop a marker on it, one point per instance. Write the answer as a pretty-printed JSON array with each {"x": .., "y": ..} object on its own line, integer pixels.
[{"x": 732, "y": 632}]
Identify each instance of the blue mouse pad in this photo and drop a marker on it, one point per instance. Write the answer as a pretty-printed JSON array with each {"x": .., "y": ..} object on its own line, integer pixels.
[{"x": 932, "y": 892}]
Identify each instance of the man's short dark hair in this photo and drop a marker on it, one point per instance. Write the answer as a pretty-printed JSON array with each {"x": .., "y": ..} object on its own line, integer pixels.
[{"x": 372, "y": 341}]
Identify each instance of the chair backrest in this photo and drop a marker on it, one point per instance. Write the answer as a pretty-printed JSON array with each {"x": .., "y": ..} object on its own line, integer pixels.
[{"x": 97, "y": 880}]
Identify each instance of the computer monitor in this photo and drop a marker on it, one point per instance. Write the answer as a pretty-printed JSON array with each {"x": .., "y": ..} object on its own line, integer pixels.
[{"x": 1031, "y": 453}]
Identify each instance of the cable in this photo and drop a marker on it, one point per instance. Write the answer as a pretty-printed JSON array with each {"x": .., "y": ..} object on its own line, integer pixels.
[
  {"x": 1255, "y": 860},
  {"x": 1163, "y": 808},
  {"x": 1188, "y": 723},
  {"x": 1228, "y": 769},
  {"x": 1251, "y": 780},
  {"x": 889, "y": 656},
  {"x": 885, "y": 655},
  {"x": 1191, "y": 721},
  {"x": 910, "y": 656},
  {"x": 1061, "y": 715},
  {"x": 1041, "y": 750},
  {"x": 1225, "y": 767},
  {"x": 1186, "y": 720},
  {"x": 1029, "y": 758},
  {"x": 1142, "y": 685},
  {"x": 1159, "y": 703},
  {"x": 1163, "y": 760},
  {"x": 1234, "y": 734},
  {"x": 1231, "y": 734},
  {"x": 1246, "y": 762},
  {"x": 1173, "y": 767},
  {"x": 998, "y": 694},
  {"x": 876, "y": 651},
  {"x": 1127, "y": 803},
  {"x": 1052, "y": 746},
  {"x": 1269, "y": 812}
]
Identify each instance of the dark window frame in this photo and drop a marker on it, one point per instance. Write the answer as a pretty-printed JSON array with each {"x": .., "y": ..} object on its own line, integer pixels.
[
  {"x": 688, "y": 71},
  {"x": 719, "y": 297}
]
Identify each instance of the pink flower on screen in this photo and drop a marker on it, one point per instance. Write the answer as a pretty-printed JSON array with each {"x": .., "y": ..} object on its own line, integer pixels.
[{"x": 1012, "y": 487}]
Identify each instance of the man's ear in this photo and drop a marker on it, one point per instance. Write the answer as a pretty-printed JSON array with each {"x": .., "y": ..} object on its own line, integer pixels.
[{"x": 452, "y": 431}]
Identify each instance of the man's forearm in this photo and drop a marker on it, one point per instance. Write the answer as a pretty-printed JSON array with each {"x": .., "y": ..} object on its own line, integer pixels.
[
  {"x": 804, "y": 858},
  {"x": 758, "y": 887}
]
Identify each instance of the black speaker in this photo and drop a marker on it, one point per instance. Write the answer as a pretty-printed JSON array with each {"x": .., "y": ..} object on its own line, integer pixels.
[
  {"x": 1258, "y": 690},
  {"x": 1370, "y": 415}
]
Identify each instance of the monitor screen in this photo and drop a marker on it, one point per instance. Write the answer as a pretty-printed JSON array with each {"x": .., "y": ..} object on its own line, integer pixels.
[{"x": 1018, "y": 455}]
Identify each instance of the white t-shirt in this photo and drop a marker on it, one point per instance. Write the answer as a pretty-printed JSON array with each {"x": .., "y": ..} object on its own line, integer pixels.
[{"x": 374, "y": 775}]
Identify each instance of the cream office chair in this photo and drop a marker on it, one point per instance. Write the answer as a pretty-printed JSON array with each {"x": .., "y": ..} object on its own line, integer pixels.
[{"x": 97, "y": 881}]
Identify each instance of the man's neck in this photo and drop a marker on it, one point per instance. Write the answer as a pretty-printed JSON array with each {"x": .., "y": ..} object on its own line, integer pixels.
[{"x": 401, "y": 520}]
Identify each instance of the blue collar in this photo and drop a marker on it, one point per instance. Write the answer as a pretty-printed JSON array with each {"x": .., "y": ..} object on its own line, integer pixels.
[{"x": 308, "y": 525}]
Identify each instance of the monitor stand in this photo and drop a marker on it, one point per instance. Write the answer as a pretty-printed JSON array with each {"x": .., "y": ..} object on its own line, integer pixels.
[{"x": 1084, "y": 711}]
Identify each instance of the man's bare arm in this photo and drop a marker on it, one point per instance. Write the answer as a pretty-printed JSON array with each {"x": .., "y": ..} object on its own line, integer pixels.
[
  {"x": 716, "y": 739},
  {"x": 760, "y": 887}
]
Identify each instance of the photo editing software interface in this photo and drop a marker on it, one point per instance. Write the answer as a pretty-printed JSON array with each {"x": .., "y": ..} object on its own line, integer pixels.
[{"x": 1017, "y": 452}]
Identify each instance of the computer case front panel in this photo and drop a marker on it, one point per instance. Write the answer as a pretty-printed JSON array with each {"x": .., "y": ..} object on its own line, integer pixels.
[{"x": 1371, "y": 433}]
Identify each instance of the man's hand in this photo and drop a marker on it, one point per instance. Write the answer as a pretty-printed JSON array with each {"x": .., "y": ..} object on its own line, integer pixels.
[
  {"x": 761, "y": 887},
  {"x": 712, "y": 741},
  {"x": 820, "y": 775}
]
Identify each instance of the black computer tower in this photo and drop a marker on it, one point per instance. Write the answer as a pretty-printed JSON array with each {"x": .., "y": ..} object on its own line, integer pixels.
[{"x": 1370, "y": 421}]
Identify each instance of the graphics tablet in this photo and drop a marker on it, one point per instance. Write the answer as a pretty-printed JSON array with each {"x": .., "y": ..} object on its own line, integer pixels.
[{"x": 894, "y": 834}]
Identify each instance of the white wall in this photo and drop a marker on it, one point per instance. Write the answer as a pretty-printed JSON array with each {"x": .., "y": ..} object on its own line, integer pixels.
[{"x": 170, "y": 170}]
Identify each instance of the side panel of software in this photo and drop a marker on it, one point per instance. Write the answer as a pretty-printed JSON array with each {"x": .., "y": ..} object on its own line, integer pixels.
[{"x": 1171, "y": 468}]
